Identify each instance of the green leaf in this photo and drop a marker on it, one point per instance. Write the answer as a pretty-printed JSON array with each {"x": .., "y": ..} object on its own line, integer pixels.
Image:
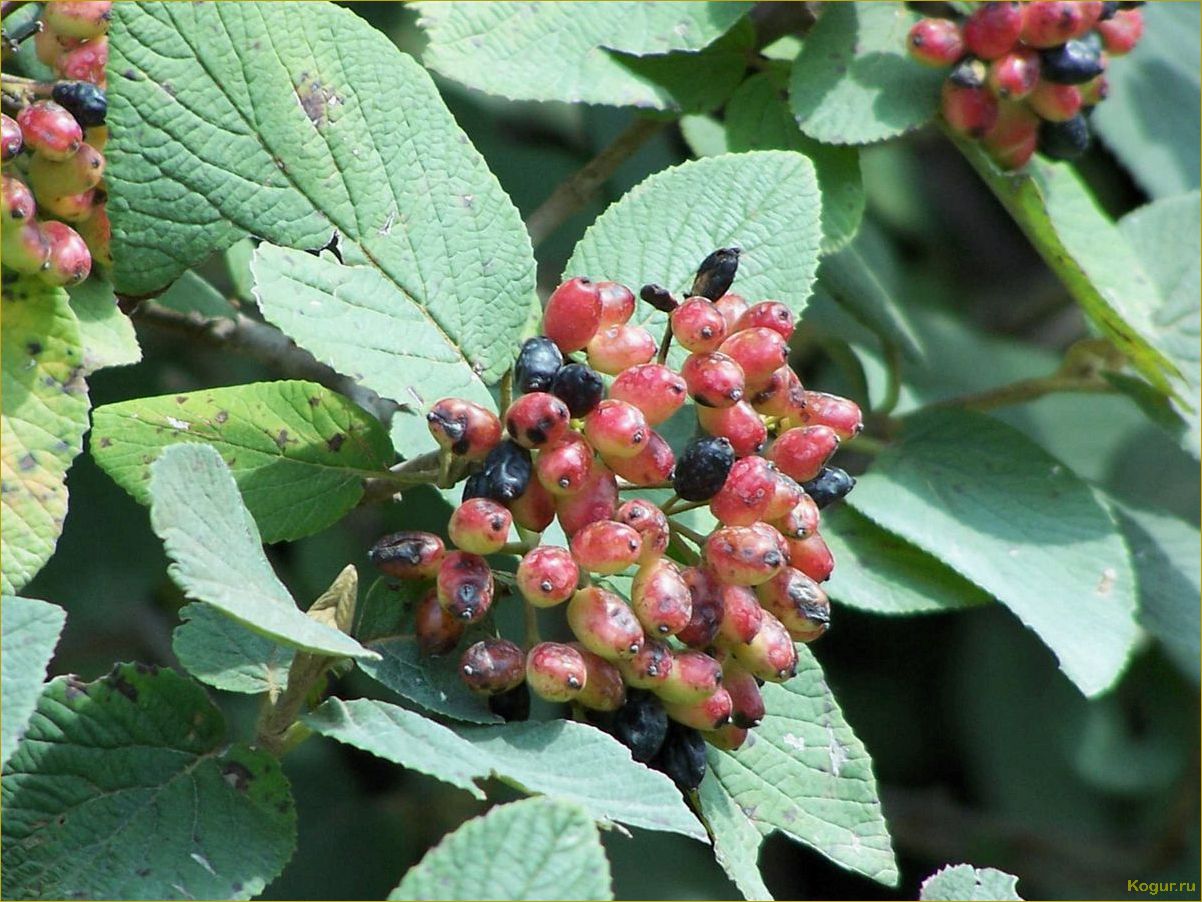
[
  {"x": 765, "y": 202},
  {"x": 964, "y": 882},
  {"x": 107, "y": 333},
  {"x": 853, "y": 281},
  {"x": 803, "y": 772},
  {"x": 558, "y": 758},
  {"x": 852, "y": 83},
  {"x": 1150, "y": 118},
  {"x": 299, "y": 452},
  {"x": 220, "y": 651},
  {"x": 705, "y": 135},
  {"x": 736, "y": 839},
  {"x": 217, "y": 555},
  {"x": 263, "y": 129},
  {"x": 758, "y": 118},
  {"x": 878, "y": 571},
  {"x": 190, "y": 293},
  {"x": 608, "y": 53},
  {"x": 353, "y": 319},
  {"x": 1087, "y": 253},
  {"x": 999, "y": 510},
  {"x": 1164, "y": 236},
  {"x": 533, "y": 849},
  {"x": 125, "y": 788},
  {"x": 43, "y": 416},
  {"x": 30, "y": 631}
]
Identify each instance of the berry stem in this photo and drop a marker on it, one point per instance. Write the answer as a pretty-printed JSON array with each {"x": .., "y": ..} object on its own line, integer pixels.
[
  {"x": 670, "y": 505},
  {"x": 631, "y": 487},
  {"x": 665, "y": 344},
  {"x": 866, "y": 444},
  {"x": 515, "y": 548},
  {"x": 506, "y": 390},
  {"x": 692, "y": 535},
  {"x": 532, "y": 637}
]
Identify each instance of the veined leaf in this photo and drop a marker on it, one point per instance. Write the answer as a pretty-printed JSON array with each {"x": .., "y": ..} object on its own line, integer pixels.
[
  {"x": 107, "y": 333},
  {"x": 220, "y": 651},
  {"x": 964, "y": 883}
]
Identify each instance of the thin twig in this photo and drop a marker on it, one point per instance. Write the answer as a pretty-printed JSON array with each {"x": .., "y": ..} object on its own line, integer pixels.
[
  {"x": 1025, "y": 390},
  {"x": 692, "y": 535}
]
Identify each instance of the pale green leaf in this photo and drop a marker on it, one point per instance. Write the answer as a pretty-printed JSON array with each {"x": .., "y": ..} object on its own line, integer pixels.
[
  {"x": 558, "y": 758},
  {"x": 736, "y": 839},
  {"x": 217, "y": 556},
  {"x": 29, "y": 631},
  {"x": 107, "y": 334},
  {"x": 125, "y": 788},
  {"x": 996, "y": 508},
  {"x": 299, "y": 452},
  {"x": 852, "y": 83},
  {"x": 618, "y": 53},
  {"x": 957, "y": 882},
  {"x": 43, "y": 416},
  {"x": 220, "y": 651},
  {"x": 758, "y": 118},
  {"x": 803, "y": 772},
  {"x": 192, "y": 294},
  {"x": 878, "y": 571},
  {"x": 705, "y": 135},
  {"x": 533, "y": 849},
  {"x": 298, "y": 123},
  {"x": 1150, "y": 118},
  {"x": 1165, "y": 237},
  {"x": 853, "y": 280}
]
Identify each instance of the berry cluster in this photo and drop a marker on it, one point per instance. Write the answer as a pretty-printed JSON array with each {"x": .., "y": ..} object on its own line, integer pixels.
[
  {"x": 1026, "y": 76},
  {"x": 681, "y": 661},
  {"x": 52, "y": 152}
]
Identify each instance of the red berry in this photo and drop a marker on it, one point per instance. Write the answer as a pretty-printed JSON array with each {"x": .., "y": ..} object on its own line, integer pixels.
[
  {"x": 493, "y": 666},
  {"x": 465, "y": 586},
  {"x": 798, "y": 602},
  {"x": 759, "y": 352},
  {"x": 746, "y": 701},
  {"x": 843, "y": 415},
  {"x": 993, "y": 29},
  {"x": 802, "y": 452},
  {"x": 739, "y": 424},
  {"x": 598, "y": 500},
  {"x": 97, "y": 232},
  {"x": 770, "y": 655},
  {"x": 17, "y": 202},
  {"x": 563, "y": 467},
  {"x": 555, "y": 671},
  {"x": 801, "y": 521},
  {"x": 74, "y": 175},
  {"x": 707, "y": 714},
  {"x": 1014, "y": 137},
  {"x": 617, "y": 303},
  {"x": 70, "y": 261},
  {"x": 11, "y": 141},
  {"x": 85, "y": 62},
  {"x": 615, "y": 348},
  {"x": 768, "y": 315},
  {"x": 650, "y": 668},
  {"x": 49, "y": 45},
  {"x": 547, "y": 576},
  {"x": 785, "y": 496},
  {"x": 698, "y": 325},
  {"x": 604, "y": 689},
  {"x": 651, "y": 466},
  {"x": 741, "y": 615},
  {"x": 537, "y": 419},
  {"x": 605, "y": 624},
  {"x": 652, "y": 388},
  {"x": 650, "y": 522},
  {"x": 437, "y": 631},
  {"x": 660, "y": 598},
  {"x": 936, "y": 42},
  {"x": 573, "y": 314},
  {"x": 731, "y": 306},
  {"x": 694, "y": 676},
  {"x": 408, "y": 555},
  {"x": 748, "y": 491},
  {"x": 606, "y": 546},
  {"x": 969, "y": 111},
  {"x": 480, "y": 525},
  {"x": 534, "y": 509},
  {"x": 705, "y": 595},
  {"x": 616, "y": 428},
  {"x": 25, "y": 247},
  {"x": 1055, "y": 102},
  {"x": 50, "y": 130},
  {"x": 464, "y": 427},
  {"x": 727, "y": 737},
  {"x": 783, "y": 396},
  {"x": 742, "y": 556},
  {"x": 78, "y": 18},
  {"x": 1121, "y": 33},
  {"x": 1049, "y": 23},
  {"x": 812, "y": 557},
  {"x": 1014, "y": 75},
  {"x": 714, "y": 379}
]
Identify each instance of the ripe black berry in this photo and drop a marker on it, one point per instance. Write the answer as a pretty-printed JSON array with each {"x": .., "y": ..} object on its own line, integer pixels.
[
  {"x": 702, "y": 468},
  {"x": 537, "y": 363},
  {"x": 578, "y": 386},
  {"x": 969, "y": 73},
  {"x": 507, "y": 471},
  {"x": 83, "y": 100},
  {"x": 475, "y": 486},
  {"x": 716, "y": 273},
  {"x": 1064, "y": 140},
  {"x": 513, "y": 704},
  {"x": 829, "y": 486},
  {"x": 1073, "y": 63},
  {"x": 641, "y": 725},
  {"x": 682, "y": 757},
  {"x": 658, "y": 297}
]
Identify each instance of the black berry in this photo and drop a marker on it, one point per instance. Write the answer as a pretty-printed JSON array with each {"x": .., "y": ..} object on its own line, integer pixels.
[
  {"x": 83, "y": 100},
  {"x": 702, "y": 468},
  {"x": 578, "y": 386},
  {"x": 641, "y": 725},
  {"x": 682, "y": 757},
  {"x": 969, "y": 73},
  {"x": 1073, "y": 63},
  {"x": 475, "y": 486},
  {"x": 658, "y": 297},
  {"x": 716, "y": 273},
  {"x": 537, "y": 363},
  {"x": 1064, "y": 140},
  {"x": 829, "y": 486},
  {"x": 507, "y": 471}
]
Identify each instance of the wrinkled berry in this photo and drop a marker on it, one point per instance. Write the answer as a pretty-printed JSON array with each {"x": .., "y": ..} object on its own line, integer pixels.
[
  {"x": 437, "y": 631},
  {"x": 538, "y": 362},
  {"x": 464, "y": 427},
  {"x": 507, "y": 471},
  {"x": 702, "y": 468},
  {"x": 682, "y": 757},
  {"x": 580, "y": 387},
  {"x": 408, "y": 555},
  {"x": 716, "y": 273},
  {"x": 465, "y": 586},
  {"x": 492, "y": 666},
  {"x": 641, "y": 725}
]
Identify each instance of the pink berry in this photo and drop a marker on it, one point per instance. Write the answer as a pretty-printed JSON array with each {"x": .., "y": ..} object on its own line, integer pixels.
[
  {"x": 617, "y": 303},
  {"x": 537, "y": 419},
  {"x": 1121, "y": 33},
  {"x": 707, "y": 714},
  {"x": 698, "y": 326},
  {"x": 802, "y": 452},
  {"x": 464, "y": 427},
  {"x": 783, "y": 396},
  {"x": 713, "y": 379},
  {"x": 604, "y": 689},
  {"x": 17, "y": 204},
  {"x": 11, "y": 141},
  {"x": 606, "y": 546},
  {"x": 555, "y": 671},
  {"x": 768, "y": 315},
  {"x": 785, "y": 496},
  {"x": 651, "y": 524},
  {"x": 840, "y": 414},
  {"x": 465, "y": 586},
  {"x": 706, "y": 598},
  {"x": 70, "y": 260},
  {"x": 50, "y": 130},
  {"x": 727, "y": 737},
  {"x": 547, "y": 576},
  {"x": 801, "y": 521},
  {"x": 598, "y": 500},
  {"x": 86, "y": 62},
  {"x": 573, "y": 314},
  {"x": 742, "y": 556},
  {"x": 563, "y": 467},
  {"x": 798, "y": 602},
  {"x": 770, "y": 655},
  {"x": 1014, "y": 75},
  {"x": 534, "y": 509},
  {"x": 968, "y": 111},
  {"x": 660, "y": 598},
  {"x": 652, "y": 388},
  {"x": 97, "y": 232},
  {"x": 759, "y": 351},
  {"x": 1050, "y": 24},
  {"x": 936, "y": 42},
  {"x": 745, "y": 496},
  {"x": 605, "y": 624},
  {"x": 993, "y": 29},
  {"x": 746, "y": 701},
  {"x": 651, "y": 667},
  {"x": 731, "y": 306},
  {"x": 480, "y": 525},
  {"x": 616, "y": 428},
  {"x": 50, "y": 46},
  {"x": 492, "y": 666},
  {"x": 741, "y": 615},
  {"x": 1014, "y": 137},
  {"x": 408, "y": 555},
  {"x": 694, "y": 676},
  {"x": 1055, "y": 102},
  {"x": 26, "y": 247},
  {"x": 739, "y": 423},
  {"x": 653, "y": 465},
  {"x": 437, "y": 631},
  {"x": 812, "y": 557},
  {"x": 616, "y": 348}
]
